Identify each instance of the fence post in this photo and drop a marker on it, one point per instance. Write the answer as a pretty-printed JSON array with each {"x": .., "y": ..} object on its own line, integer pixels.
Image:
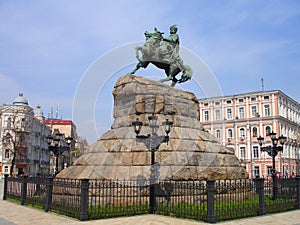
[
  {"x": 210, "y": 188},
  {"x": 260, "y": 190},
  {"x": 275, "y": 187},
  {"x": 5, "y": 187},
  {"x": 37, "y": 185},
  {"x": 24, "y": 189},
  {"x": 297, "y": 179},
  {"x": 84, "y": 197},
  {"x": 49, "y": 188}
]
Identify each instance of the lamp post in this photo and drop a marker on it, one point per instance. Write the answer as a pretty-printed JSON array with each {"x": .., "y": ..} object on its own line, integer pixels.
[
  {"x": 297, "y": 151},
  {"x": 152, "y": 142},
  {"x": 273, "y": 151},
  {"x": 58, "y": 144},
  {"x": 298, "y": 158},
  {"x": 251, "y": 151}
]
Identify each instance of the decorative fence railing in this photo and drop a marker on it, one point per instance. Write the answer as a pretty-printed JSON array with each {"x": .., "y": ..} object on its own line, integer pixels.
[{"x": 209, "y": 201}]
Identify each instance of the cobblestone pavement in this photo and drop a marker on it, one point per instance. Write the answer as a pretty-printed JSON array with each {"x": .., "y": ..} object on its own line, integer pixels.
[{"x": 11, "y": 213}]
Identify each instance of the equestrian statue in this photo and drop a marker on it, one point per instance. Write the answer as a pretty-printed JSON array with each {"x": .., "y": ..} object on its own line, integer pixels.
[{"x": 163, "y": 52}]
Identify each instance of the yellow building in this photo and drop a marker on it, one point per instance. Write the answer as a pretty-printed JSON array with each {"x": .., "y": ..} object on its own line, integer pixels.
[{"x": 238, "y": 120}]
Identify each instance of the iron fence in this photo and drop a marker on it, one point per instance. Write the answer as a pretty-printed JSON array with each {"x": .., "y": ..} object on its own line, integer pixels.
[
  {"x": 117, "y": 198},
  {"x": 280, "y": 194},
  {"x": 66, "y": 196},
  {"x": 35, "y": 190},
  {"x": 210, "y": 201},
  {"x": 185, "y": 199},
  {"x": 236, "y": 199},
  {"x": 12, "y": 187}
]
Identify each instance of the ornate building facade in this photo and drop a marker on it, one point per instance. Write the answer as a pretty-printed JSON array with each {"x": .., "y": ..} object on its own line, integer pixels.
[
  {"x": 238, "y": 120},
  {"x": 23, "y": 139}
]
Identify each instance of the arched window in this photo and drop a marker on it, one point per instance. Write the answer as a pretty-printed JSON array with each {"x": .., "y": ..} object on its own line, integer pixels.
[
  {"x": 218, "y": 134},
  {"x": 6, "y": 153},
  {"x": 254, "y": 132},
  {"x": 23, "y": 123},
  {"x": 229, "y": 133},
  {"x": 242, "y": 132}
]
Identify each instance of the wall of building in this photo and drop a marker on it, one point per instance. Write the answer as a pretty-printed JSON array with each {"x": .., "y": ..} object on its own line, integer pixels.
[
  {"x": 27, "y": 140},
  {"x": 238, "y": 120}
]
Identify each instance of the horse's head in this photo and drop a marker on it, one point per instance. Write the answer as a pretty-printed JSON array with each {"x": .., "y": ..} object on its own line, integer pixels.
[
  {"x": 186, "y": 74},
  {"x": 154, "y": 37}
]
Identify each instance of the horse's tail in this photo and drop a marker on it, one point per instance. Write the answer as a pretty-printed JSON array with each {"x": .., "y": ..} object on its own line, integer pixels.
[{"x": 137, "y": 55}]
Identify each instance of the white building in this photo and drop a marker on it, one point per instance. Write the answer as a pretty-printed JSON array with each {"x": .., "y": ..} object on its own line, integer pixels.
[{"x": 23, "y": 142}]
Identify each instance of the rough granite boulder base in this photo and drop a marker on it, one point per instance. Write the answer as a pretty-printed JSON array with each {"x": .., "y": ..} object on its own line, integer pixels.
[{"x": 191, "y": 153}]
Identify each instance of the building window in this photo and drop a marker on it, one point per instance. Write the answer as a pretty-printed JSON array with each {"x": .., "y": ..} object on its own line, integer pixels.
[
  {"x": 266, "y": 97},
  {"x": 218, "y": 114},
  {"x": 256, "y": 171},
  {"x": 253, "y": 111},
  {"x": 287, "y": 171},
  {"x": 241, "y": 112},
  {"x": 8, "y": 125},
  {"x": 7, "y": 138},
  {"x": 205, "y": 104},
  {"x": 255, "y": 152},
  {"x": 267, "y": 110},
  {"x": 268, "y": 130},
  {"x": 253, "y": 99},
  {"x": 242, "y": 133},
  {"x": 218, "y": 134},
  {"x": 206, "y": 115},
  {"x": 229, "y": 113},
  {"x": 23, "y": 121},
  {"x": 229, "y": 133},
  {"x": 241, "y": 100},
  {"x": 6, "y": 155},
  {"x": 228, "y": 102},
  {"x": 269, "y": 170},
  {"x": 254, "y": 132},
  {"x": 21, "y": 139},
  {"x": 5, "y": 169},
  {"x": 243, "y": 152},
  {"x": 217, "y": 103}
]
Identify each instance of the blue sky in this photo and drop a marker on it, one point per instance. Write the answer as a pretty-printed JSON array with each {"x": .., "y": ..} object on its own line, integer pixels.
[{"x": 46, "y": 47}]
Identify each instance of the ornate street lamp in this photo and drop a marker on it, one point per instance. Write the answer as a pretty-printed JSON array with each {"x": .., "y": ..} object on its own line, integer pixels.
[
  {"x": 152, "y": 142},
  {"x": 273, "y": 151},
  {"x": 69, "y": 140},
  {"x": 58, "y": 144}
]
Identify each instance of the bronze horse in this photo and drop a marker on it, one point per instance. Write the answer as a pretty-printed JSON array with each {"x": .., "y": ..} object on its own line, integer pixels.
[{"x": 164, "y": 55}]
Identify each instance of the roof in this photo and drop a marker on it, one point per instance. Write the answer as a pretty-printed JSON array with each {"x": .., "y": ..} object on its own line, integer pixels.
[
  {"x": 20, "y": 100},
  {"x": 248, "y": 94},
  {"x": 59, "y": 122}
]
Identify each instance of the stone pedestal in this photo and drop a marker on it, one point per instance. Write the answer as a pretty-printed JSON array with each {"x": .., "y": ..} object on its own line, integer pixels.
[{"x": 191, "y": 153}]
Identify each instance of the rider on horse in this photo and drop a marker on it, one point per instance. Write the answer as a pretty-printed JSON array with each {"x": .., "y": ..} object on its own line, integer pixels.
[{"x": 163, "y": 52}]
